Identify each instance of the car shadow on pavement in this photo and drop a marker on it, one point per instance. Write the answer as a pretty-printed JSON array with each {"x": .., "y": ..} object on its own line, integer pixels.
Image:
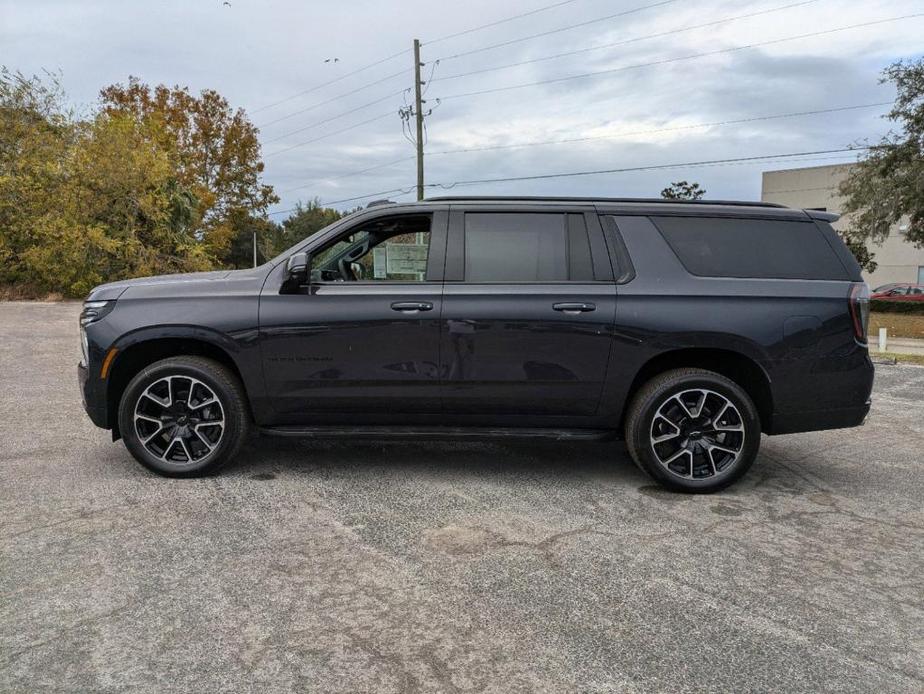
[{"x": 477, "y": 458}]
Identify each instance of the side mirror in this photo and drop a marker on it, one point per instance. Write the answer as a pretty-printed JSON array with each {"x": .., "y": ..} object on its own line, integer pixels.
[{"x": 296, "y": 272}]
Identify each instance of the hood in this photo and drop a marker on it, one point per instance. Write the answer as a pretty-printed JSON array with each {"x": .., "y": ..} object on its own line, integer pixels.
[{"x": 113, "y": 290}]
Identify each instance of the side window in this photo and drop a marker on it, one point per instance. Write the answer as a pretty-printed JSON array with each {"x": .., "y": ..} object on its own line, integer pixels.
[
  {"x": 526, "y": 247},
  {"x": 759, "y": 248},
  {"x": 391, "y": 249}
]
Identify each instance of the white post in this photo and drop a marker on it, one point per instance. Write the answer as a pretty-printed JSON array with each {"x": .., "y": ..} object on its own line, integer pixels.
[{"x": 883, "y": 339}]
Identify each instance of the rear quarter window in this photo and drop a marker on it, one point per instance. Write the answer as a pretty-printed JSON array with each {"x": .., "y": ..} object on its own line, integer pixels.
[{"x": 759, "y": 248}]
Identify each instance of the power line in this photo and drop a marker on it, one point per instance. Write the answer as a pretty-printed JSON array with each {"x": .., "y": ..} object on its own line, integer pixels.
[
  {"x": 651, "y": 131},
  {"x": 333, "y": 118},
  {"x": 656, "y": 167},
  {"x": 397, "y": 55},
  {"x": 663, "y": 130},
  {"x": 559, "y": 30},
  {"x": 333, "y": 81},
  {"x": 332, "y": 99},
  {"x": 392, "y": 57},
  {"x": 350, "y": 174},
  {"x": 402, "y": 191},
  {"x": 665, "y": 61},
  {"x": 336, "y": 132},
  {"x": 498, "y": 22},
  {"x": 712, "y": 162},
  {"x": 628, "y": 41}
]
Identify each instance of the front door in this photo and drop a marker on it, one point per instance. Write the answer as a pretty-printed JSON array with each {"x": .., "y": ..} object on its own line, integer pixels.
[
  {"x": 363, "y": 337},
  {"x": 529, "y": 306}
]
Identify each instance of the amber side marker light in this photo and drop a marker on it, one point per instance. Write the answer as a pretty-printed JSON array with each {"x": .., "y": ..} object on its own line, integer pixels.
[{"x": 107, "y": 362}]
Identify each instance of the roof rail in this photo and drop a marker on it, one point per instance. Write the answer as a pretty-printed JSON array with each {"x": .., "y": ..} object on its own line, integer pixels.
[
  {"x": 376, "y": 203},
  {"x": 646, "y": 201}
]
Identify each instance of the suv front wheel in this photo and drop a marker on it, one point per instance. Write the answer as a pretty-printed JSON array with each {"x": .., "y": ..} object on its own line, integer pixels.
[
  {"x": 693, "y": 430},
  {"x": 184, "y": 416}
]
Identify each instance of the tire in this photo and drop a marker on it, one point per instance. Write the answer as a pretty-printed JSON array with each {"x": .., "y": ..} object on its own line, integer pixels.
[
  {"x": 693, "y": 430},
  {"x": 184, "y": 416}
]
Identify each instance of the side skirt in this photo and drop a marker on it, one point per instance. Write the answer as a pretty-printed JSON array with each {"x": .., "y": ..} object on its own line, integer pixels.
[{"x": 436, "y": 432}]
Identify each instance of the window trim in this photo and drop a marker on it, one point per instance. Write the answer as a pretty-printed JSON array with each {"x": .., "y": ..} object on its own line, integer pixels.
[
  {"x": 455, "y": 253},
  {"x": 622, "y": 267}
]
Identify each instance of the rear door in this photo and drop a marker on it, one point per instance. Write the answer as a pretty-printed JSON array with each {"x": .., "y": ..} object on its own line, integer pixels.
[{"x": 529, "y": 305}]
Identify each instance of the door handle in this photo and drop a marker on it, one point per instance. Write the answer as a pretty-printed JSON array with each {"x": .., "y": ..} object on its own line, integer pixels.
[
  {"x": 411, "y": 306},
  {"x": 575, "y": 307}
]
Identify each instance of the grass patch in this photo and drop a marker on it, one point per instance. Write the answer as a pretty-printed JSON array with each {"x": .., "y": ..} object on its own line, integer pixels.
[{"x": 898, "y": 325}]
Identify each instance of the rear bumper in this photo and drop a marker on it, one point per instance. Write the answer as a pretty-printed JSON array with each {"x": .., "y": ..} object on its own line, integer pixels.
[{"x": 819, "y": 420}]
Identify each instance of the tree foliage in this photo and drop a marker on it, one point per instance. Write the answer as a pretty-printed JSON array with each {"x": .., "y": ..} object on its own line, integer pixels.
[
  {"x": 306, "y": 220},
  {"x": 681, "y": 190},
  {"x": 887, "y": 185},
  {"x": 154, "y": 181},
  {"x": 214, "y": 151}
]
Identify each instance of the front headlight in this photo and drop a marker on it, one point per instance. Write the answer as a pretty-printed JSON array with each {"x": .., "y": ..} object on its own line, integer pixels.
[{"x": 93, "y": 311}]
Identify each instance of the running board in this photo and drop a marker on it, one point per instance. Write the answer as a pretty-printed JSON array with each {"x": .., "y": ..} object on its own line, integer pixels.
[{"x": 435, "y": 432}]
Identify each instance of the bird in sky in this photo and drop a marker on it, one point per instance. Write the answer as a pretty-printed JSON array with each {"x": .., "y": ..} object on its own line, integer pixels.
[{"x": 335, "y": 60}]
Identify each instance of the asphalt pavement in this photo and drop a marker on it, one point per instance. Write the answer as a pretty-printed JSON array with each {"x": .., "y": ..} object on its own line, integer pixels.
[{"x": 448, "y": 566}]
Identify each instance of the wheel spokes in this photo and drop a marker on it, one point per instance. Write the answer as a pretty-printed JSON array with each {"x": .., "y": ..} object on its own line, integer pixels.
[
  {"x": 179, "y": 419},
  {"x": 697, "y": 433}
]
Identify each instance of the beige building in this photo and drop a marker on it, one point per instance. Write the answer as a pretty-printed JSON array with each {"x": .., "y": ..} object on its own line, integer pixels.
[{"x": 899, "y": 261}]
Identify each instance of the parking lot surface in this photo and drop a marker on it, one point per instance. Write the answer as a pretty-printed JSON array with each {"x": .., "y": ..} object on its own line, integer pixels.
[{"x": 449, "y": 566}]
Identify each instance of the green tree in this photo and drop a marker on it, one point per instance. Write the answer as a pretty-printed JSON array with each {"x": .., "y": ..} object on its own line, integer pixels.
[
  {"x": 681, "y": 190},
  {"x": 84, "y": 201},
  {"x": 887, "y": 185},
  {"x": 304, "y": 221},
  {"x": 240, "y": 252},
  {"x": 36, "y": 134},
  {"x": 119, "y": 212}
]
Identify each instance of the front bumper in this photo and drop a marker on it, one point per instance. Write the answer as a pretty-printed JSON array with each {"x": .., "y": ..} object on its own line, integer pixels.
[{"x": 91, "y": 400}]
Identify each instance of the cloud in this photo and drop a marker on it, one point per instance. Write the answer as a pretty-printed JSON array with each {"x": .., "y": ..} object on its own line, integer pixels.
[{"x": 257, "y": 53}]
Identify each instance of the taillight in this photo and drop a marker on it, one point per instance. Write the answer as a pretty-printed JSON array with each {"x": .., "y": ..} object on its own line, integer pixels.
[{"x": 859, "y": 310}]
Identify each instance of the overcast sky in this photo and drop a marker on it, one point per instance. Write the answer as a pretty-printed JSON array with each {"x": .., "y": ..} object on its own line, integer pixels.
[{"x": 260, "y": 52}]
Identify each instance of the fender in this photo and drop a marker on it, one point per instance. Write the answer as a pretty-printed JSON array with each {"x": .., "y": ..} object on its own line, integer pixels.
[{"x": 240, "y": 348}]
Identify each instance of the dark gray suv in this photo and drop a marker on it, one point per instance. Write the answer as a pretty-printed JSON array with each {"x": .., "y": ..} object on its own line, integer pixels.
[{"x": 687, "y": 328}]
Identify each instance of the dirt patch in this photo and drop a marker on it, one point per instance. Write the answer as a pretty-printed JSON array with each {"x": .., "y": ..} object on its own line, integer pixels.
[{"x": 25, "y": 292}]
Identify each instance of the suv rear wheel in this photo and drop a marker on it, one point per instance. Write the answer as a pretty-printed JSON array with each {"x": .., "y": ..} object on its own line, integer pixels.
[
  {"x": 184, "y": 416},
  {"x": 693, "y": 430}
]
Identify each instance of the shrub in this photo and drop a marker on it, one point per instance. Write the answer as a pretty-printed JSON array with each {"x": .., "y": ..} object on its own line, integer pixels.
[{"x": 885, "y": 306}]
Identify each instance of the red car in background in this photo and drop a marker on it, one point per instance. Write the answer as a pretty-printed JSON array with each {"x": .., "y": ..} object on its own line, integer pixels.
[{"x": 900, "y": 292}]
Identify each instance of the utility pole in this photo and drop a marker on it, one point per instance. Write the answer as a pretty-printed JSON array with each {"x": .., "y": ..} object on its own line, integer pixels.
[
  {"x": 255, "y": 248},
  {"x": 418, "y": 112}
]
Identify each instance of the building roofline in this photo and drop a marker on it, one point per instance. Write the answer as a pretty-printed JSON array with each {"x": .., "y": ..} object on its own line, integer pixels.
[{"x": 811, "y": 168}]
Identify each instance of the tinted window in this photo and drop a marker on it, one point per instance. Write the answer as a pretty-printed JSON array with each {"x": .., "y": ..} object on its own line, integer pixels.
[
  {"x": 761, "y": 248},
  {"x": 526, "y": 247}
]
